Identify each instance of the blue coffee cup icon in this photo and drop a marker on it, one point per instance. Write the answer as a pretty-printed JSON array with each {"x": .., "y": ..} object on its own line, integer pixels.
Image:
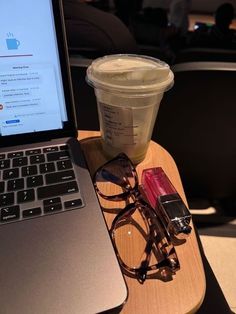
[{"x": 12, "y": 43}]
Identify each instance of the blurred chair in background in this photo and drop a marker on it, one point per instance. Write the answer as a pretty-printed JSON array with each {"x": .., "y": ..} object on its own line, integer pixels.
[
  {"x": 205, "y": 54},
  {"x": 92, "y": 32},
  {"x": 126, "y": 10},
  {"x": 196, "y": 124},
  {"x": 154, "y": 35}
]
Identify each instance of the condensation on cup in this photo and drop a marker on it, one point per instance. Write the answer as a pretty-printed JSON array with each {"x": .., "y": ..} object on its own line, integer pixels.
[{"x": 129, "y": 89}]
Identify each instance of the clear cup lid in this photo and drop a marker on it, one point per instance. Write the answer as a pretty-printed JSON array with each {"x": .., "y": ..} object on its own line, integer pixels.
[{"x": 130, "y": 73}]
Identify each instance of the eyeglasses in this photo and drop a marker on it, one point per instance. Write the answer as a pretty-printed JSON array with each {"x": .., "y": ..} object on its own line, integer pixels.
[{"x": 142, "y": 245}]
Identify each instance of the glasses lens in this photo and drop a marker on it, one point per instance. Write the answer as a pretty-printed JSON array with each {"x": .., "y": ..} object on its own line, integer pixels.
[
  {"x": 136, "y": 241},
  {"x": 116, "y": 178}
]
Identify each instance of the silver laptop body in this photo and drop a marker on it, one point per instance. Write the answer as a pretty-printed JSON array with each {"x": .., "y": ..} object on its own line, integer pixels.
[{"x": 56, "y": 255}]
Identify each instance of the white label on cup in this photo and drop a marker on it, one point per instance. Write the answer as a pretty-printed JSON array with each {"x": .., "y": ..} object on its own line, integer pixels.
[{"x": 117, "y": 125}]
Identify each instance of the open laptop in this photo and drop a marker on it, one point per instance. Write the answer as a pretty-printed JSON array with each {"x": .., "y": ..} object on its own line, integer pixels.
[{"x": 56, "y": 255}]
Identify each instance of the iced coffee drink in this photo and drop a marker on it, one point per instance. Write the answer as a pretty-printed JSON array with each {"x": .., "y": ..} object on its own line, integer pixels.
[{"x": 129, "y": 89}]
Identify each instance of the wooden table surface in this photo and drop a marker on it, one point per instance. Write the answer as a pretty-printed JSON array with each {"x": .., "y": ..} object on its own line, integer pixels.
[{"x": 183, "y": 294}]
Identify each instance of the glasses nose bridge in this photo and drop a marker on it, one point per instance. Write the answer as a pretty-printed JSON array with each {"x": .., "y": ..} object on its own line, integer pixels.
[
  {"x": 128, "y": 186},
  {"x": 135, "y": 195}
]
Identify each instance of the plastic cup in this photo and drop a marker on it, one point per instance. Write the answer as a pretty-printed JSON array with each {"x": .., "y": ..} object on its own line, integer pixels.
[{"x": 128, "y": 89}]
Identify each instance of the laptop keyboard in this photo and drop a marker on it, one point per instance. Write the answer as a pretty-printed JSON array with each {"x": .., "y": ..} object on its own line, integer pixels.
[{"x": 37, "y": 182}]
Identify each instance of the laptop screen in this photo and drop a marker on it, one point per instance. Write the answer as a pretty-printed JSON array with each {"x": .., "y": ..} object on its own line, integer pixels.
[{"x": 31, "y": 86}]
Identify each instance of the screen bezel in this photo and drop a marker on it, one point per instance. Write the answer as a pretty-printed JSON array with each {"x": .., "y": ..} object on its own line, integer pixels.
[{"x": 69, "y": 127}]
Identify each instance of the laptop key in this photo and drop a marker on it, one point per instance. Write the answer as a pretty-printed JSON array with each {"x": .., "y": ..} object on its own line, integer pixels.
[
  {"x": 11, "y": 173},
  {"x": 16, "y": 184},
  {"x": 21, "y": 161},
  {"x": 64, "y": 164},
  {"x": 57, "y": 189},
  {"x": 25, "y": 196},
  {"x": 10, "y": 213},
  {"x": 36, "y": 159},
  {"x": 50, "y": 149},
  {"x": 73, "y": 203},
  {"x": 60, "y": 176},
  {"x": 2, "y": 185},
  {"x": 34, "y": 181},
  {"x": 33, "y": 152},
  {"x": 6, "y": 199},
  {"x": 4, "y": 164},
  {"x": 52, "y": 201},
  {"x": 15, "y": 154},
  {"x": 48, "y": 167},
  {"x": 32, "y": 212},
  {"x": 29, "y": 171},
  {"x": 52, "y": 208},
  {"x": 2, "y": 156},
  {"x": 64, "y": 147},
  {"x": 64, "y": 154}
]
